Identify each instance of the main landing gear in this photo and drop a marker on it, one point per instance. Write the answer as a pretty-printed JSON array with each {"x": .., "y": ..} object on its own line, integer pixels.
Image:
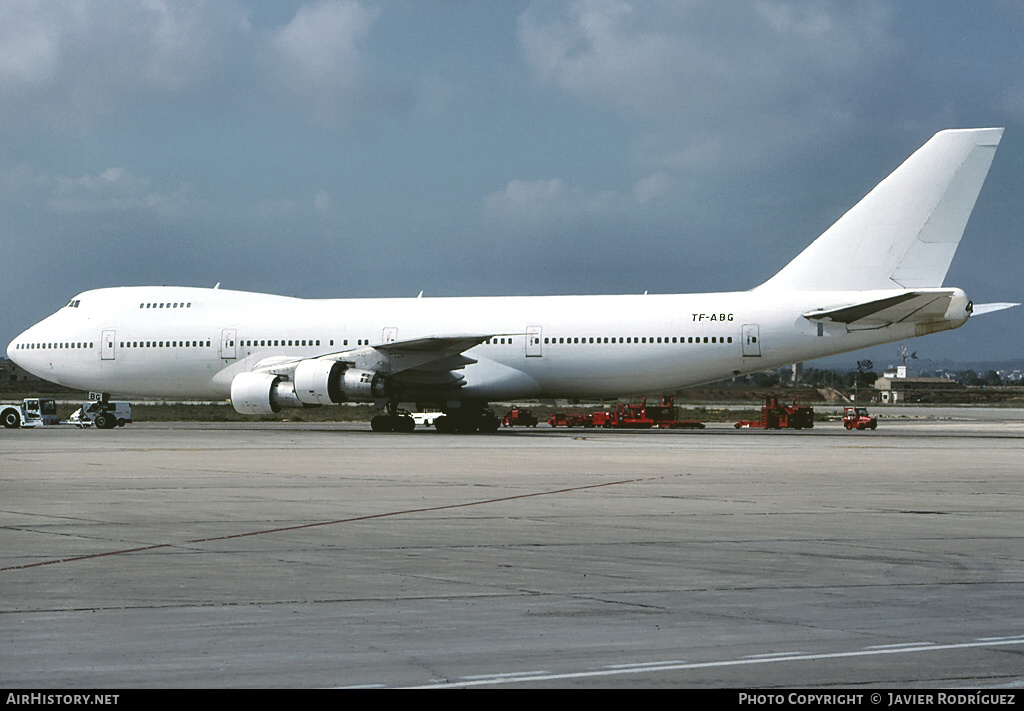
[
  {"x": 470, "y": 417},
  {"x": 393, "y": 420},
  {"x": 467, "y": 419}
]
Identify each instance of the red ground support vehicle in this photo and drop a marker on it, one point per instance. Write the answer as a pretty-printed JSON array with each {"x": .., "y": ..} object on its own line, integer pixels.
[
  {"x": 857, "y": 418},
  {"x": 643, "y": 416},
  {"x": 519, "y": 417},
  {"x": 777, "y": 417},
  {"x": 628, "y": 415},
  {"x": 571, "y": 419}
]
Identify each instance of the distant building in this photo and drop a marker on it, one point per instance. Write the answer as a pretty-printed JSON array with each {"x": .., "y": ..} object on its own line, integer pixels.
[{"x": 895, "y": 387}]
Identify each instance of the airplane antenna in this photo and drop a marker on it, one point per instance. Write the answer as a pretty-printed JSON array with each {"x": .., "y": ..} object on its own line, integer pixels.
[
  {"x": 217, "y": 285},
  {"x": 420, "y": 295}
]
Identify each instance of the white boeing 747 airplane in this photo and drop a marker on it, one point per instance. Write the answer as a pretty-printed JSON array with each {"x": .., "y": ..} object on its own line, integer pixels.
[{"x": 874, "y": 277}]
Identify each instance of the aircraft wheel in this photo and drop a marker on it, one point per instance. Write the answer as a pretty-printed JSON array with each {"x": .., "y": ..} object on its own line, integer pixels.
[
  {"x": 465, "y": 426},
  {"x": 11, "y": 419},
  {"x": 443, "y": 424},
  {"x": 404, "y": 423},
  {"x": 489, "y": 423},
  {"x": 382, "y": 423}
]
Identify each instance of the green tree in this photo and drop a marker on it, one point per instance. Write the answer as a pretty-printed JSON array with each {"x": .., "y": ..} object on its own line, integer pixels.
[{"x": 992, "y": 378}]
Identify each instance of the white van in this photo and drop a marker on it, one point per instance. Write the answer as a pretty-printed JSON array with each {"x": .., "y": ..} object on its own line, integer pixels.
[{"x": 105, "y": 415}]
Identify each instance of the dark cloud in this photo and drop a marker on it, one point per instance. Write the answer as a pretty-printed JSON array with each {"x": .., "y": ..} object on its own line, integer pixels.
[{"x": 356, "y": 148}]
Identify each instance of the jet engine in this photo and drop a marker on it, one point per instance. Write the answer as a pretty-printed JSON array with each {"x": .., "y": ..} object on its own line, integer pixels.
[
  {"x": 328, "y": 382},
  {"x": 315, "y": 382},
  {"x": 262, "y": 394}
]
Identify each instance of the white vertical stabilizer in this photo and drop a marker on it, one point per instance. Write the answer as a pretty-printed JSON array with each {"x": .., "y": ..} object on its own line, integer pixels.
[{"x": 903, "y": 234}]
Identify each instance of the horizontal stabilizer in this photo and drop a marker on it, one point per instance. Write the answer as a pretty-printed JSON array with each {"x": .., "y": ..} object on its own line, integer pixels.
[
  {"x": 916, "y": 306},
  {"x": 980, "y": 309}
]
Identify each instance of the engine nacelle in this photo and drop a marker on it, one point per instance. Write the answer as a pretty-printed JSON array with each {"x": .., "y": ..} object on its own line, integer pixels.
[
  {"x": 316, "y": 382},
  {"x": 364, "y": 385},
  {"x": 328, "y": 382},
  {"x": 262, "y": 394}
]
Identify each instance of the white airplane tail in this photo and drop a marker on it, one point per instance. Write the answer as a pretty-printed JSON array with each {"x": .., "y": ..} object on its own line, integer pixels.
[{"x": 903, "y": 234}]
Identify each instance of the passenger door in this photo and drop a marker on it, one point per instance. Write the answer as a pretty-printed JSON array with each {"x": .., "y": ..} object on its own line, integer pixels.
[
  {"x": 227, "y": 344},
  {"x": 108, "y": 345},
  {"x": 533, "y": 342},
  {"x": 751, "y": 346}
]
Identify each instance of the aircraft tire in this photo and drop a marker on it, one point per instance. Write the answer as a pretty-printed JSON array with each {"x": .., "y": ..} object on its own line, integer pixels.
[
  {"x": 489, "y": 424},
  {"x": 465, "y": 426},
  {"x": 382, "y": 423}
]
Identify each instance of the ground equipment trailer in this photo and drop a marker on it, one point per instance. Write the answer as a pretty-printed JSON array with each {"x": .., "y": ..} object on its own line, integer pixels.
[
  {"x": 30, "y": 412},
  {"x": 779, "y": 417},
  {"x": 572, "y": 419},
  {"x": 631, "y": 415},
  {"x": 519, "y": 417}
]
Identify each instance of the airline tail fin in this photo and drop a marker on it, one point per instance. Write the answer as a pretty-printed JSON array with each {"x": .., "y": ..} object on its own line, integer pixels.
[{"x": 903, "y": 234}]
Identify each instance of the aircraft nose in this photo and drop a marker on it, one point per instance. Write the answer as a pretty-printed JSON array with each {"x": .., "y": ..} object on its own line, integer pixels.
[{"x": 16, "y": 354}]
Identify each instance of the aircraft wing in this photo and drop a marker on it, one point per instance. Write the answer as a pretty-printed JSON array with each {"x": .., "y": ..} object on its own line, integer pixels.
[
  {"x": 423, "y": 363},
  {"x": 917, "y": 306}
]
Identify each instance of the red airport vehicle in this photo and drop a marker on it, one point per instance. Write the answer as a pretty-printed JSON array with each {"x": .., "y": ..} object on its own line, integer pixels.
[
  {"x": 777, "y": 417},
  {"x": 629, "y": 415},
  {"x": 857, "y": 418},
  {"x": 571, "y": 419},
  {"x": 519, "y": 417},
  {"x": 643, "y": 416}
]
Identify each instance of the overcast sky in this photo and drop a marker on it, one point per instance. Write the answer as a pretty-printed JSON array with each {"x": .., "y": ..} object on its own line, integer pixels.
[{"x": 341, "y": 148}]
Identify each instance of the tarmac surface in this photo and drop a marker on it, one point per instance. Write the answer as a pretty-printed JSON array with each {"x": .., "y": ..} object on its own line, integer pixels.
[{"x": 301, "y": 555}]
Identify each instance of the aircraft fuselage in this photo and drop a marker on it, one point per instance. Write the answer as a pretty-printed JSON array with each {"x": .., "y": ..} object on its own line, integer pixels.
[{"x": 191, "y": 342}]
